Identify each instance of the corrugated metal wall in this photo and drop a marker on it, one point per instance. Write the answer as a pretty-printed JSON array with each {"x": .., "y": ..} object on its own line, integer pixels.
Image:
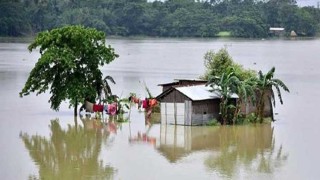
[{"x": 176, "y": 108}]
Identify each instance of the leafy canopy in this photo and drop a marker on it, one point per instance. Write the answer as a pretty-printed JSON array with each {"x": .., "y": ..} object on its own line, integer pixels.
[
  {"x": 69, "y": 64},
  {"x": 217, "y": 63},
  {"x": 228, "y": 77}
]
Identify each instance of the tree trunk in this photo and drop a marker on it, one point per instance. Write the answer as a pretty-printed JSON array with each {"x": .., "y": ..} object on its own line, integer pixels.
[
  {"x": 76, "y": 123},
  {"x": 260, "y": 107},
  {"x": 237, "y": 110},
  {"x": 75, "y": 112},
  {"x": 223, "y": 110},
  {"x": 261, "y": 114}
]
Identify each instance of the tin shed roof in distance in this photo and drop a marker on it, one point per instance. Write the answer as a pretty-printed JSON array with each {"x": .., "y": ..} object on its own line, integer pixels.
[{"x": 200, "y": 92}]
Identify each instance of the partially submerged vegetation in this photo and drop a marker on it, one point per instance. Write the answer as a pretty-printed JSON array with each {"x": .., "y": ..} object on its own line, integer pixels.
[
  {"x": 228, "y": 78},
  {"x": 69, "y": 65}
]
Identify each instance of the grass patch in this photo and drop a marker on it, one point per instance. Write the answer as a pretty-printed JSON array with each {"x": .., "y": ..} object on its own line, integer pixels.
[
  {"x": 224, "y": 34},
  {"x": 213, "y": 122}
]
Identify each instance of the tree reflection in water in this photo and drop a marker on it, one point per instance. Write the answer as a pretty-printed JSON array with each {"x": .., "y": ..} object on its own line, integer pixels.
[
  {"x": 249, "y": 147},
  {"x": 71, "y": 153}
]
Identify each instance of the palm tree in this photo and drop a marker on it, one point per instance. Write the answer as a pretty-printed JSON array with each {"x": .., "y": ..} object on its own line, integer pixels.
[
  {"x": 226, "y": 86},
  {"x": 265, "y": 83},
  {"x": 105, "y": 87},
  {"x": 245, "y": 89}
]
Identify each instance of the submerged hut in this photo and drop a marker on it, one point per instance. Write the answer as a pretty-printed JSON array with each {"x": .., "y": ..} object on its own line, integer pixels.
[
  {"x": 189, "y": 105},
  {"x": 190, "y": 102}
]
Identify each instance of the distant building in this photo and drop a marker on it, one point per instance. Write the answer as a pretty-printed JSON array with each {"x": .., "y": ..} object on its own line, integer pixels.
[
  {"x": 293, "y": 34},
  {"x": 276, "y": 31}
]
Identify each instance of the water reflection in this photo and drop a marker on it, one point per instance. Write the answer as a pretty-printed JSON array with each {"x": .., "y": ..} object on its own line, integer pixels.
[
  {"x": 69, "y": 154},
  {"x": 230, "y": 148}
]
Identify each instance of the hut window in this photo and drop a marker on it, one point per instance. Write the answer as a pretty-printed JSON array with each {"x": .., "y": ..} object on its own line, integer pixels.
[{"x": 204, "y": 112}]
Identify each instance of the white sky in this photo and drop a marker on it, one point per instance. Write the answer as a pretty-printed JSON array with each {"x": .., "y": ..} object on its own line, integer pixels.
[{"x": 299, "y": 2}]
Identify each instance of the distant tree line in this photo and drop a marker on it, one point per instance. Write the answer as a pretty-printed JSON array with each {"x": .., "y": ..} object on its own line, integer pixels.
[{"x": 170, "y": 18}]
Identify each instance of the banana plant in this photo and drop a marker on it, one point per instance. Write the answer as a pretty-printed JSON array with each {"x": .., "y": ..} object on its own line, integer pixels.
[{"x": 265, "y": 84}]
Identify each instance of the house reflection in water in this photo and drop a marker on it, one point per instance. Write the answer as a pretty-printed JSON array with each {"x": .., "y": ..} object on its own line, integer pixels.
[
  {"x": 229, "y": 146},
  {"x": 178, "y": 141}
]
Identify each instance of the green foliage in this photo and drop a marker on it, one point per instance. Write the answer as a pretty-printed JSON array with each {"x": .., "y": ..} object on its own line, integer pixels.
[
  {"x": 69, "y": 64},
  {"x": 105, "y": 87},
  {"x": 225, "y": 85},
  {"x": 265, "y": 84},
  {"x": 170, "y": 18},
  {"x": 248, "y": 119},
  {"x": 13, "y": 19},
  {"x": 218, "y": 63},
  {"x": 227, "y": 78},
  {"x": 213, "y": 122}
]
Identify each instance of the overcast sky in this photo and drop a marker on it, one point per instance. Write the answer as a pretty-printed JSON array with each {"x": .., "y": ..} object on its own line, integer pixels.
[
  {"x": 307, "y": 2},
  {"x": 299, "y": 2}
]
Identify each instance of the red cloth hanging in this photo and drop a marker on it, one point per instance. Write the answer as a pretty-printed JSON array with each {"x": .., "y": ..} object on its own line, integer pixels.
[
  {"x": 145, "y": 103},
  {"x": 97, "y": 108}
]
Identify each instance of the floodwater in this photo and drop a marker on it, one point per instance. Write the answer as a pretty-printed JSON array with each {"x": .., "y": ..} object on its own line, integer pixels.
[{"x": 38, "y": 143}]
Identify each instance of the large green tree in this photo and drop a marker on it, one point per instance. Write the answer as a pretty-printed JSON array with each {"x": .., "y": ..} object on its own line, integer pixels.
[{"x": 69, "y": 64}]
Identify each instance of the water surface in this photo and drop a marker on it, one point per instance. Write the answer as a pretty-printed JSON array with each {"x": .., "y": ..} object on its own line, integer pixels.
[{"x": 39, "y": 143}]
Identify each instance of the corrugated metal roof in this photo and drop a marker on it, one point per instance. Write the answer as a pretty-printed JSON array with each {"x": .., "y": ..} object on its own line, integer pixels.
[
  {"x": 200, "y": 92},
  {"x": 177, "y": 81},
  {"x": 276, "y": 29}
]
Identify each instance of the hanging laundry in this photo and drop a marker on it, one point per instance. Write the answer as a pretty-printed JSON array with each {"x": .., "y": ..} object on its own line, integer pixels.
[
  {"x": 145, "y": 103},
  {"x": 152, "y": 102},
  {"x": 105, "y": 108},
  {"x": 135, "y": 100},
  {"x": 139, "y": 104},
  {"x": 112, "y": 108},
  {"x": 97, "y": 108}
]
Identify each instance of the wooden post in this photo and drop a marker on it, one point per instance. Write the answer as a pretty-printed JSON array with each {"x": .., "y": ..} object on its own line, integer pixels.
[{"x": 175, "y": 108}]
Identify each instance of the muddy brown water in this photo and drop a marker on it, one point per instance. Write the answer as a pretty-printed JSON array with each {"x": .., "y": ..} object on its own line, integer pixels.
[{"x": 39, "y": 143}]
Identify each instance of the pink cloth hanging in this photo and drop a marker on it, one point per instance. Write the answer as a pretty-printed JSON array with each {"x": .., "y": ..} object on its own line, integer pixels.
[{"x": 112, "y": 108}]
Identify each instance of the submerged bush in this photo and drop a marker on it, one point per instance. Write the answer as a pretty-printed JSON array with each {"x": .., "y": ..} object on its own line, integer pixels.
[{"x": 213, "y": 122}]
